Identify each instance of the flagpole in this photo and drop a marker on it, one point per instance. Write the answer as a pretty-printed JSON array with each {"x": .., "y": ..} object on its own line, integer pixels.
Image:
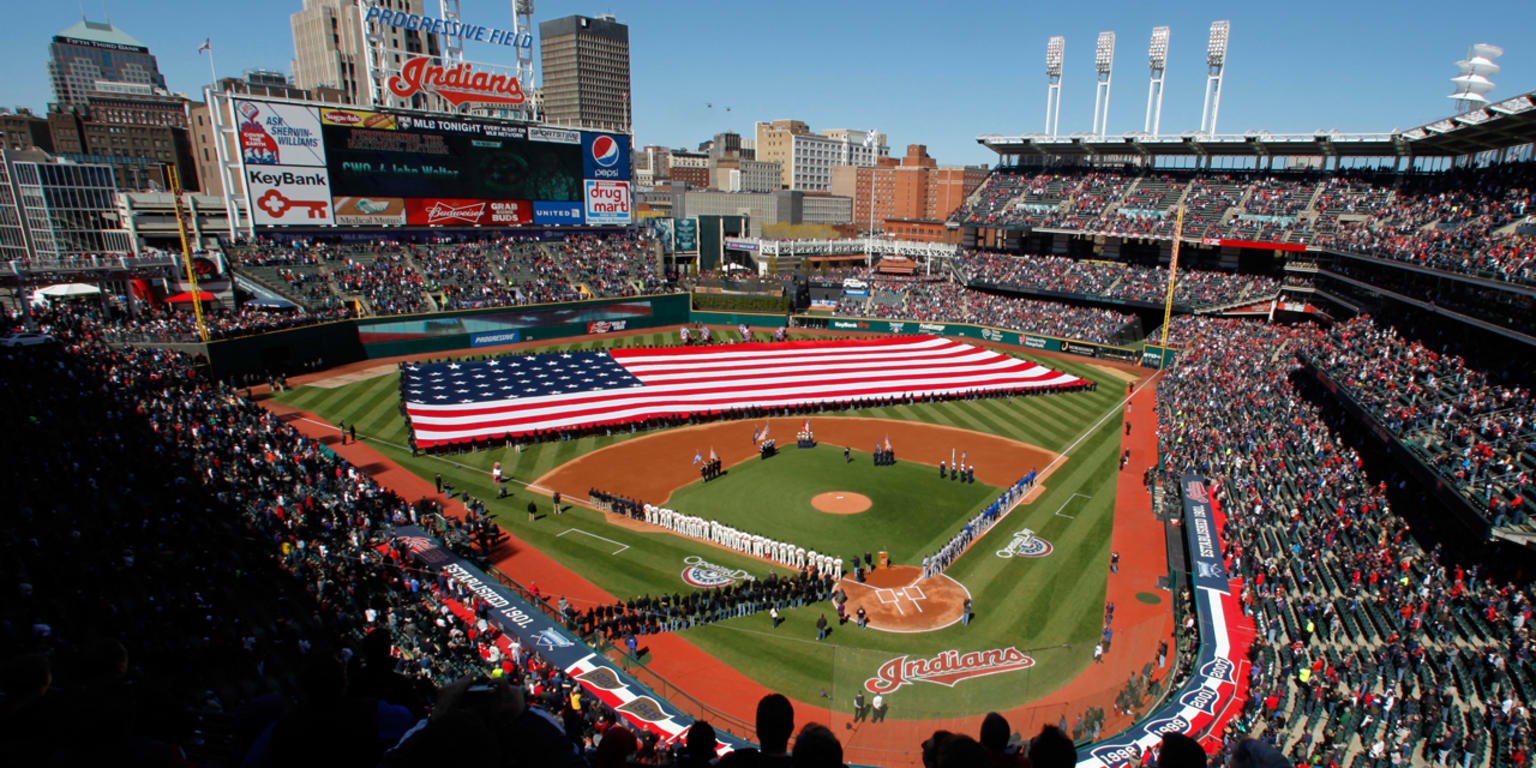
[{"x": 213, "y": 76}]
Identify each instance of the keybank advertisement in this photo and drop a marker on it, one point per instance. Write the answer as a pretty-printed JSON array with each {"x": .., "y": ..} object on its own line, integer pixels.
[
  {"x": 1216, "y": 690},
  {"x": 607, "y": 202},
  {"x": 539, "y": 634},
  {"x": 604, "y": 156},
  {"x": 289, "y": 195}
]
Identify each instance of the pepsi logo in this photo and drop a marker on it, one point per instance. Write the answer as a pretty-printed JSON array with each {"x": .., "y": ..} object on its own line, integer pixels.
[{"x": 605, "y": 151}]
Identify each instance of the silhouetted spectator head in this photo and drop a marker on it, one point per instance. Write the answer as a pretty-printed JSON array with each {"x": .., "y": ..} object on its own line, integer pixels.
[
  {"x": 376, "y": 646},
  {"x": 1052, "y": 749},
  {"x": 932, "y": 746},
  {"x": 1180, "y": 751},
  {"x": 994, "y": 732},
  {"x": 817, "y": 747},
  {"x": 962, "y": 751},
  {"x": 701, "y": 741},
  {"x": 614, "y": 750},
  {"x": 775, "y": 723},
  {"x": 26, "y": 678},
  {"x": 1252, "y": 753},
  {"x": 323, "y": 679}
]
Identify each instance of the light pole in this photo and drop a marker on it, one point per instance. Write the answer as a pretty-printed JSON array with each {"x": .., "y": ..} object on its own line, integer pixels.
[
  {"x": 1104, "y": 63},
  {"x": 1055, "y": 52},
  {"x": 1157, "y": 59},
  {"x": 1216, "y": 63},
  {"x": 1473, "y": 85}
]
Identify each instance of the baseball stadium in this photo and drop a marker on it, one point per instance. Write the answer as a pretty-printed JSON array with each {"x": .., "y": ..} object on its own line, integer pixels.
[{"x": 1166, "y": 454}]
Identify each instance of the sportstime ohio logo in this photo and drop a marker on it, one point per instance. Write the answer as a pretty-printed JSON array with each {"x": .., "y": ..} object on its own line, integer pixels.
[{"x": 946, "y": 668}]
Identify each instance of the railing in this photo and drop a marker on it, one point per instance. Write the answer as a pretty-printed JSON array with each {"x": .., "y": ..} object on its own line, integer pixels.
[{"x": 38, "y": 267}]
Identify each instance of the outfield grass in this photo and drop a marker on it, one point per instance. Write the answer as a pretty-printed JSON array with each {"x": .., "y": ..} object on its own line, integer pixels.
[
  {"x": 912, "y": 511},
  {"x": 1051, "y": 608}
]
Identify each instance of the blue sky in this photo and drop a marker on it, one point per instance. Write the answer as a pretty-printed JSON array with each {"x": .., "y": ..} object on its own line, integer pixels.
[{"x": 924, "y": 73}]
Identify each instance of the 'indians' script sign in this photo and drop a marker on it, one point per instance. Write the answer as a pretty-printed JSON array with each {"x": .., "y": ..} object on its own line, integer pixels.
[
  {"x": 946, "y": 668},
  {"x": 457, "y": 85}
]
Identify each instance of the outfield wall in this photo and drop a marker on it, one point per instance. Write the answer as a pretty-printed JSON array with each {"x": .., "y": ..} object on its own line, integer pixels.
[
  {"x": 752, "y": 319},
  {"x": 972, "y": 331},
  {"x": 443, "y": 331}
]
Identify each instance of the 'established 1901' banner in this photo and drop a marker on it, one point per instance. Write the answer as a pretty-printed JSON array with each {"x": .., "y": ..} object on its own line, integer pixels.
[
  {"x": 539, "y": 633},
  {"x": 1216, "y": 690}
]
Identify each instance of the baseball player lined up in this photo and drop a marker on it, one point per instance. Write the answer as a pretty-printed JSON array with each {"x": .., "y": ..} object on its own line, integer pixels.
[{"x": 781, "y": 552}]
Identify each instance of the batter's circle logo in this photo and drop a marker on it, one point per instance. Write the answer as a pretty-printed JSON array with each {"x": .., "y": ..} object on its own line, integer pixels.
[
  {"x": 1026, "y": 544},
  {"x": 702, "y": 574},
  {"x": 605, "y": 151}
]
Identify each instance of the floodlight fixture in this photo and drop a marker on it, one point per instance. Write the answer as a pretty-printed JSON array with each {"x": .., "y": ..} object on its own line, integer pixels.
[
  {"x": 1216, "y": 51},
  {"x": 1104, "y": 54},
  {"x": 1104, "y": 63},
  {"x": 1473, "y": 85},
  {"x": 1216, "y": 64},
  {"x": 1055, "y": 54},
  {"x": 1157, "y": 52},
  {"x": 1157, "y": 60}
]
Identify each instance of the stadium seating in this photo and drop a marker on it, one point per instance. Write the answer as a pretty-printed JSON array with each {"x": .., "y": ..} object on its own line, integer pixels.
[{"x": 1467, "y": 220}]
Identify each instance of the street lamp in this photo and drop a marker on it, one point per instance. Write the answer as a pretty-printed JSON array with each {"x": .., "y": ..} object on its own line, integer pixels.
[{"x": 1473, "y": 85}]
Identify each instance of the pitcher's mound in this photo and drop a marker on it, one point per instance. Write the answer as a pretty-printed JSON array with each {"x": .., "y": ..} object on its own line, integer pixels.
[{"x": 840, "y": 502}]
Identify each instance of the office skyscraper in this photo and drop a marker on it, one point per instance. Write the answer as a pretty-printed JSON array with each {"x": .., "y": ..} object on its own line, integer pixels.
[{"x": 585, "y": 64}]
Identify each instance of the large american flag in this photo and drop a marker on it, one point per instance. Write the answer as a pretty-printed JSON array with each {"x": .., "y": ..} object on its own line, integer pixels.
[{"x": 451, "y": 402}]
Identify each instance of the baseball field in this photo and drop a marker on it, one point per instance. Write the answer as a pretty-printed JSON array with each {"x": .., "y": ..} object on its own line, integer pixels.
[{"x": 1043, "y": 601}]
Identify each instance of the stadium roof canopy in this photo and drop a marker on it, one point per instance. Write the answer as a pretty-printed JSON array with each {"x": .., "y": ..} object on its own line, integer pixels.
[{"x": 1508, "y": 123}]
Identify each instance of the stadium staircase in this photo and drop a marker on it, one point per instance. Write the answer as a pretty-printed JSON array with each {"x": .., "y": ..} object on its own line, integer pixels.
[{"x": 410, "y": 261}]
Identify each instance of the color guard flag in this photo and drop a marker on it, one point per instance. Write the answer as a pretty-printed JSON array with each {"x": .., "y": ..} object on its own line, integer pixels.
[
  {"x": 887, "y": 443},
  {"x": 755, "y": 434},
  {"x": 712, "y": 456},
  {"x": 807, "y": 426},
  {"x": 697, "y": 457},
  {"x": 509, "y": 397}
]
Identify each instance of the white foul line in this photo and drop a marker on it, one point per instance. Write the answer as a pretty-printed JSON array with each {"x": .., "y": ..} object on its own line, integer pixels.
[
  {"x": 1069, "y": 501},
  {"x": 621, "y": 547}
]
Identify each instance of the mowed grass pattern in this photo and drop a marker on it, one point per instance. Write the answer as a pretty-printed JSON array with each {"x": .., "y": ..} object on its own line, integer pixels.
[{"x": 1050, "y": 608}]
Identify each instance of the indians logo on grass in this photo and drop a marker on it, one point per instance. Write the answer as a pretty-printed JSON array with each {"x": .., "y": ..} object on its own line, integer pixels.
[
  {"x": 1026, "y": 544},
  {"x": 702, "y": 574},
  {"x": 946, "y": 668}
]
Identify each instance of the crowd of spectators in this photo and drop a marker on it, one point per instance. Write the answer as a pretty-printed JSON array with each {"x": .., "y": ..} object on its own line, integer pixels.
[
  {"x": 1369, "y": 648},
  {"x": 180, "y": 325},
  {"x": 1478, "y": 433},
  {"x": 940, "y": 301},
  {"x": 1111, "y": 280},
  {"x": 1465, "y": 220},
  {"x": 398, "y": 278}
]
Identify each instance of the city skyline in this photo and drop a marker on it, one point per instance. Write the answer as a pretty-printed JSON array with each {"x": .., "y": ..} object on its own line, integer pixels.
[{"x": 907, "y": 71}]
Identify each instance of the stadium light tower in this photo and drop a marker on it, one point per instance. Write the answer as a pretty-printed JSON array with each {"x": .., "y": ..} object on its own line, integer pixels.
[
  {"x": 1104, "y": 62},
  {"x": 1473, "y": 85},
  {"x": 1157, "y": 56},
  {"x": 1055, "y": 53},
  {"x": 1216, "y": 61}
]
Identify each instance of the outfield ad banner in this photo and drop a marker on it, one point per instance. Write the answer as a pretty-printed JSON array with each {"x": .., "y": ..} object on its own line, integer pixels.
[
  {"x": 538, "y": 633},
  {"x": 685, "y": 235},
  {"x": 1217, "y": 689}
]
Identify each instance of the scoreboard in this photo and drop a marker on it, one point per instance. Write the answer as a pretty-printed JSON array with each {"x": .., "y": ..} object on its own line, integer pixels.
[{"x": 318, "y": 165}]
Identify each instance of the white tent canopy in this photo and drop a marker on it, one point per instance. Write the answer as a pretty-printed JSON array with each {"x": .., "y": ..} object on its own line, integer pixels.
[{"x": 69, "y": 289}]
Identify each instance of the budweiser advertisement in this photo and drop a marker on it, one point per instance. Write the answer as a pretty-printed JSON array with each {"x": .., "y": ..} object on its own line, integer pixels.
[
  {"x": 467, "y": 212},
  {"x": 459, "y": 84}
]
